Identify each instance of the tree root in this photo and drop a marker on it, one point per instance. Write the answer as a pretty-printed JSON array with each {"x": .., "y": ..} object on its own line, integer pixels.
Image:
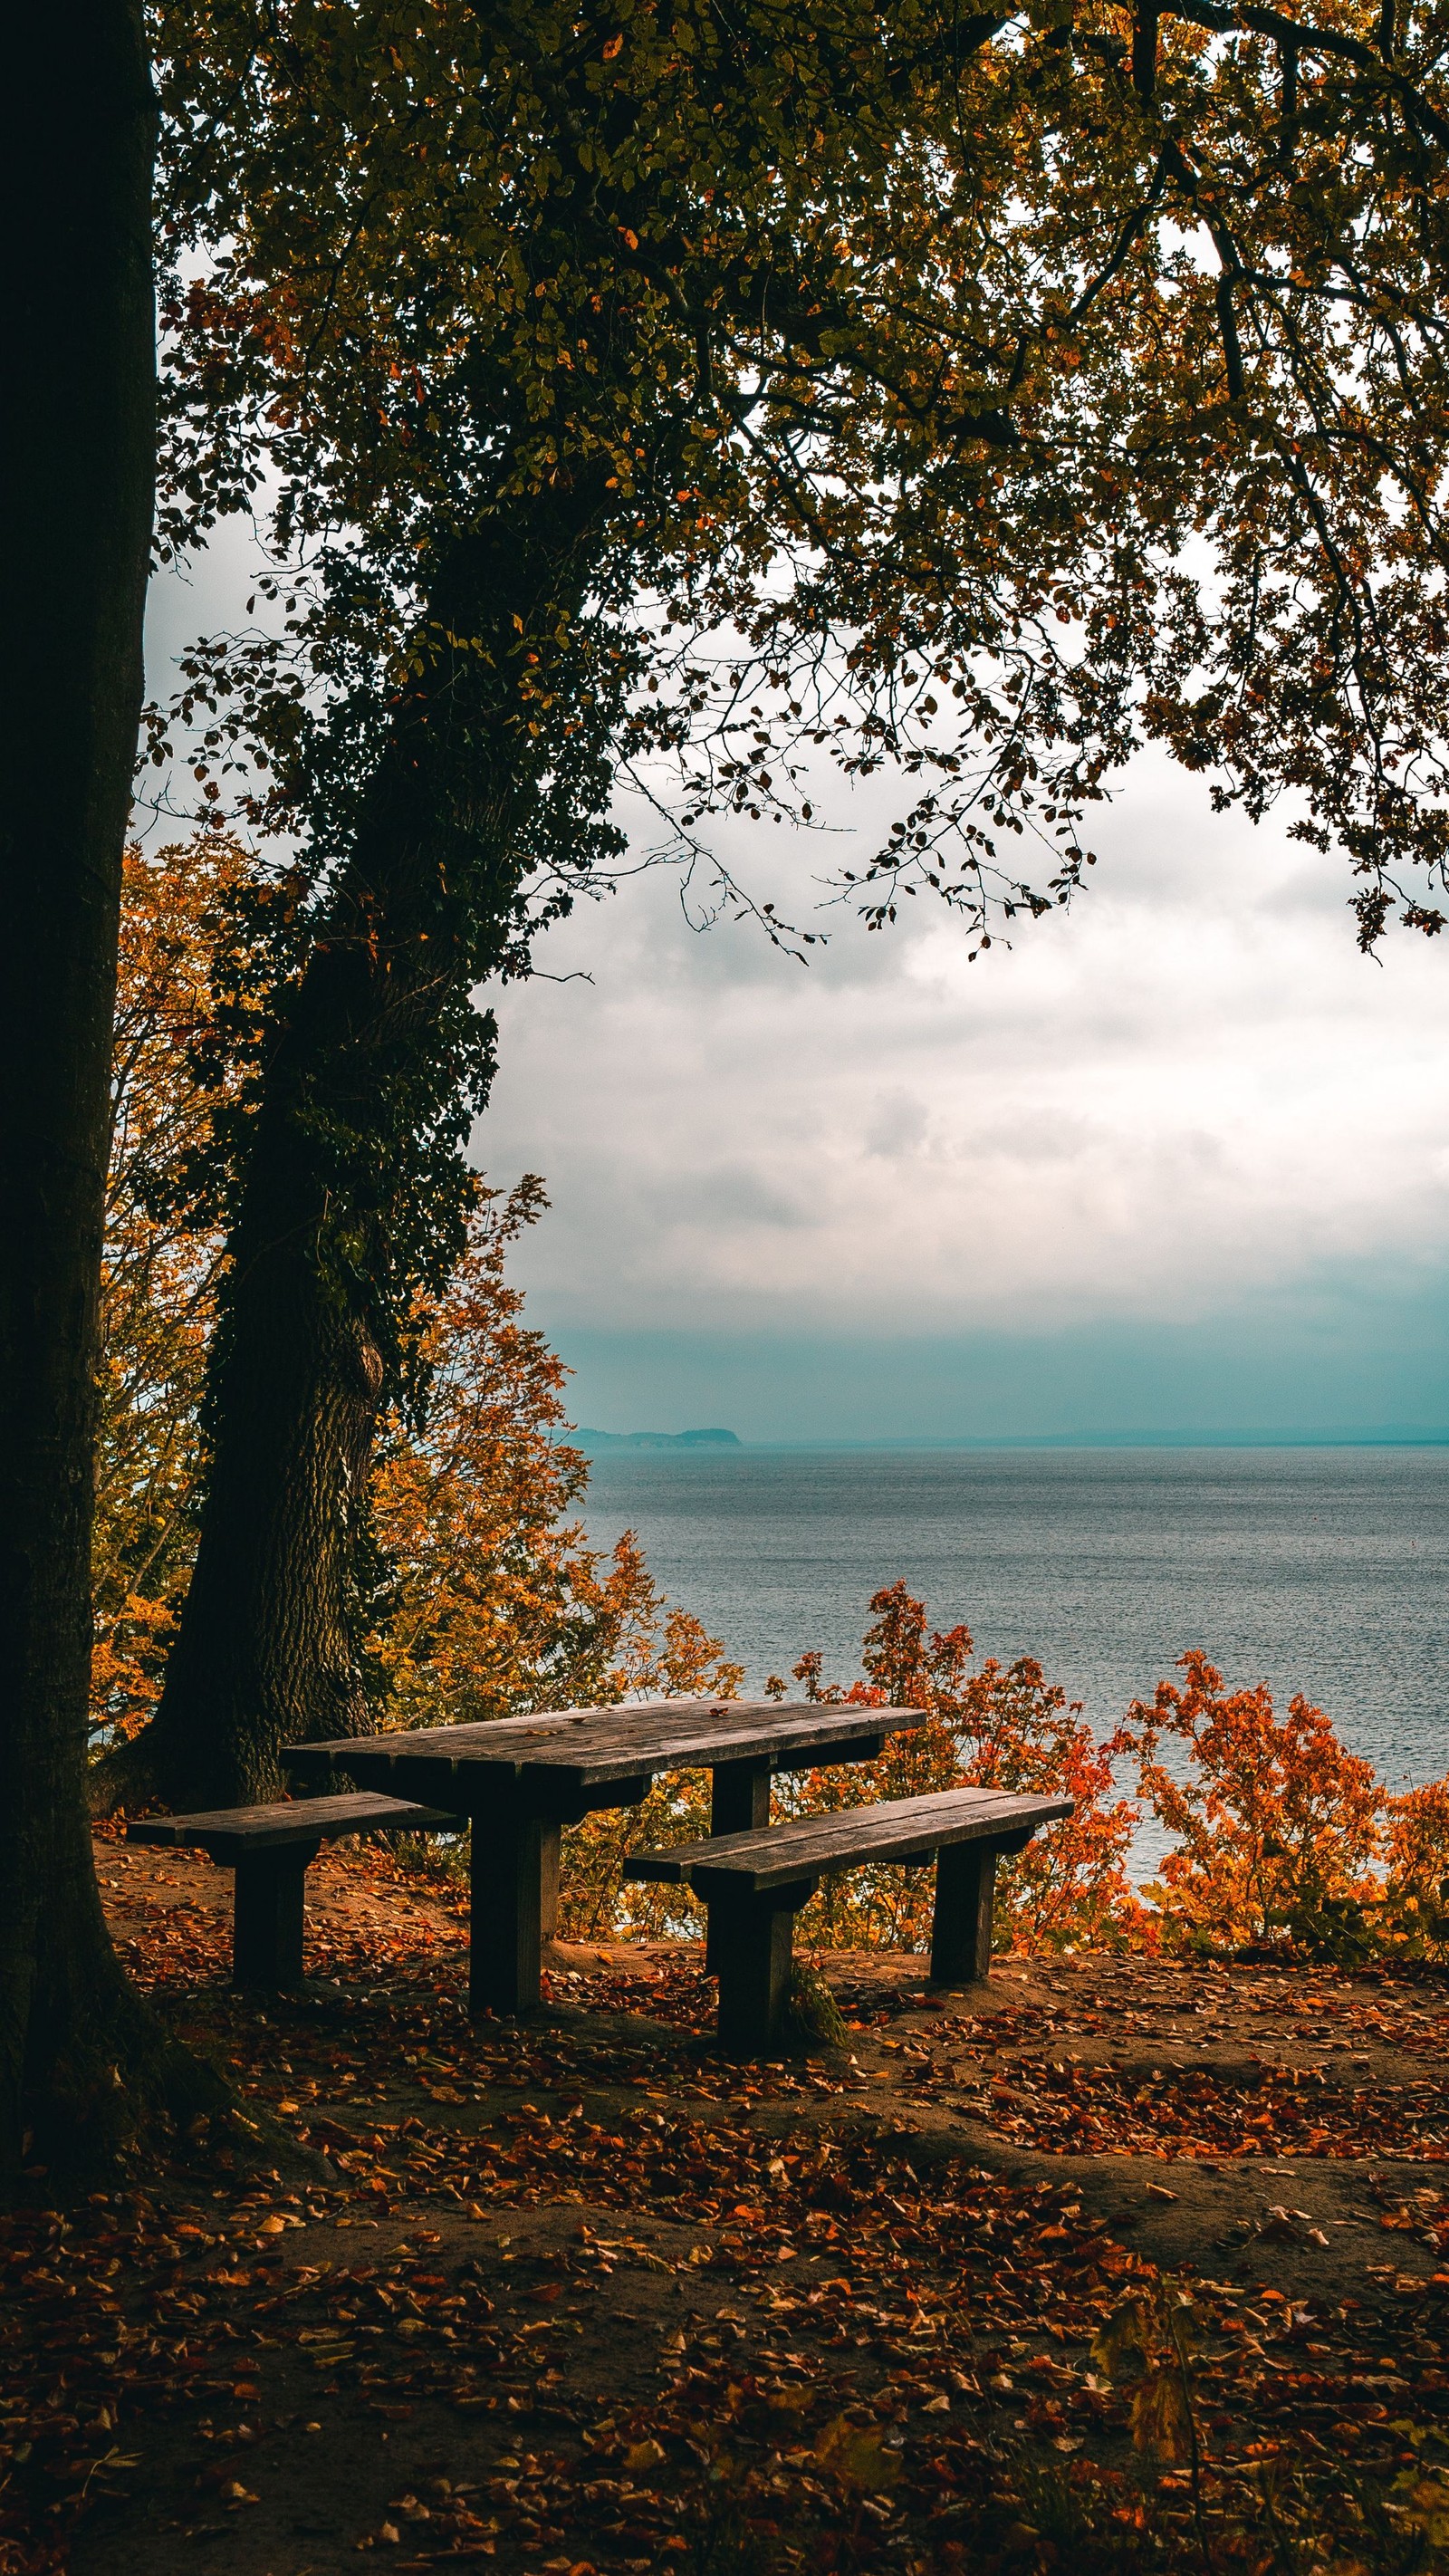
[
  {"x": 122, "y": 1779},
  {"x": 124, "y": 2093}
]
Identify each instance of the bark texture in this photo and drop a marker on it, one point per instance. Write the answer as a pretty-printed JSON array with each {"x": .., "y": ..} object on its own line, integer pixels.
[
  {"x": 76, "y": 475},
  {"x": 266, "y": 1652}
]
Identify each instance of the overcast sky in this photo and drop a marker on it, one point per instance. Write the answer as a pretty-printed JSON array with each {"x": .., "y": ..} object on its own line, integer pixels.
[{"x": 1178, "y": 1160}]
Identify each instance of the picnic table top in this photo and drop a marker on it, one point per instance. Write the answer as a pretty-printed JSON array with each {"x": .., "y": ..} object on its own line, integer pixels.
[
  {"x": 586, "y": 1748},
  {"x": 898, "y": 1829}
]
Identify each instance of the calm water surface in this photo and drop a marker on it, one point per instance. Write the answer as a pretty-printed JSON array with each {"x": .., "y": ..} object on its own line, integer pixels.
[{"x": 1320, "y": 1570}]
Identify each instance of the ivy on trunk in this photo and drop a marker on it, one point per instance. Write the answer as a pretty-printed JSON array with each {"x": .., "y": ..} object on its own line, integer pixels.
[{"x": 352, "y": 1191}]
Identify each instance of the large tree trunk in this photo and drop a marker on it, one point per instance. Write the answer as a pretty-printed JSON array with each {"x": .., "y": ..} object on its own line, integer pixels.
[
  {"x": 339, "y": 1216},
  {"x": 268, "y": 1651},
  {"x": 76, "y": 480}
]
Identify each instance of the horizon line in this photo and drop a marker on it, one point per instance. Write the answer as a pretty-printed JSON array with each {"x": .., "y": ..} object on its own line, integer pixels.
[{"x": 1377, "y": 1436}]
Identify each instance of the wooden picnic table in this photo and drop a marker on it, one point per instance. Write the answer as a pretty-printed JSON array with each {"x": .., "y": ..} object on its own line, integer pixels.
[{"x": 519, "y": 1779}]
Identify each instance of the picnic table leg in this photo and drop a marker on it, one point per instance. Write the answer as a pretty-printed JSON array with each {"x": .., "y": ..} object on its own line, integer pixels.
[
  {"x": 754, "y": 1937},
  {"x": 506, "y": 1929},
  {"x": 266, "y": 1942},
  {"x": 739, "y": 1800},
  {"x": 961, "y": 1927},
  {"x": 739, "y": 1803}
]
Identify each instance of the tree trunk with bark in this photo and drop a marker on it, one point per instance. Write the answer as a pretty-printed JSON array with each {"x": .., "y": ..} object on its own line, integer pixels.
[
  {"x": 77, "y": 436},
  {"x": 267, "y": 1651},
  {"x": 367, "y": 1054}
]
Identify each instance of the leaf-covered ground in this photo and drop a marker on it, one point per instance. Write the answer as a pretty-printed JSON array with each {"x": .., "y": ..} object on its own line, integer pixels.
[{"x": 579, "y": 2295}]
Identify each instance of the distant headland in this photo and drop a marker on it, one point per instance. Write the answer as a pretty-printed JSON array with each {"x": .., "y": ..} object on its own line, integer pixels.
[{"x": 659, "y": 1439}]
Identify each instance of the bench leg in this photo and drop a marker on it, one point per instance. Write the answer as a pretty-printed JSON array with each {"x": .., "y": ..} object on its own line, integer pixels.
[
  {"x": 266, "y": 1947},
  {"x": 753, "y": 1938},
  {"x": 739, "y": 1803},
  {"x": 961, "y": 1929},
  {"x": 506, "y": 1930}
]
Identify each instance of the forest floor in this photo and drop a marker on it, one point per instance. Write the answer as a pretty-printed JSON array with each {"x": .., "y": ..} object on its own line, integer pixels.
[{"x": 577, "y": 2295}]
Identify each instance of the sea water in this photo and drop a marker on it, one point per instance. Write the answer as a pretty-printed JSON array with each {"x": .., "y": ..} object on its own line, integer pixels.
[{"x": 1315, "y": 1570}]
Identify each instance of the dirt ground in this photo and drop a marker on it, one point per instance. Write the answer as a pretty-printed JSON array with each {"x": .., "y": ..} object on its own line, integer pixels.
[{"x": 577, "y": 2294}]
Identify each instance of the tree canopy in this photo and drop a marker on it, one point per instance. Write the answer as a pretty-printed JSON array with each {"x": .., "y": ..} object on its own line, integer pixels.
[
  {"x": 984, "y": 394},
  {"x": 719, "y": 400}
]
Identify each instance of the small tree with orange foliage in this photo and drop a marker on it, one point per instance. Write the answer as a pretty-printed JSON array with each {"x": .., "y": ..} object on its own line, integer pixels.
[
  {"x": 1277, "y": 1823},
  {"x": 160, "y": 1263},
  {"x": 489, "y": 1600},
  {"x": 1002, "y": 1727}
]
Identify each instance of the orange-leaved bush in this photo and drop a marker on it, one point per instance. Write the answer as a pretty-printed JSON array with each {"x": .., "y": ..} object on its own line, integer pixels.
[
  {"x": 1413, "y": 1914},
  {"x": 490, "y": 1601},
  {"x": 1003, "y": 1726},
  {"x": 1276, "y": 1822},
  {"x": 663, "y": 1653}
]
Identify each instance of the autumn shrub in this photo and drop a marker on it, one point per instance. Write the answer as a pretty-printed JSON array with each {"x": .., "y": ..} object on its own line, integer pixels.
[
  {"x": 1413, "y": 1914},
  {"x": 1276, "y": 1823},
  {"x": 999, "y": 1727},
  {"x": 489, "y": 1600},
  {"x": 1003, "y": 1726},
  {"x": 593, "y": 1897}
]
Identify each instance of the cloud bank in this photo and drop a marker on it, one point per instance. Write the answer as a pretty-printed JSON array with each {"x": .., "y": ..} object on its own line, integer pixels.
[{"x": 1179, "y": 1157}]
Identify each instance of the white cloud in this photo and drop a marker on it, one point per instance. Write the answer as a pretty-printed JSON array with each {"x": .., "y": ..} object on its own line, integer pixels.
[{"x": 1188, "y": 1090}]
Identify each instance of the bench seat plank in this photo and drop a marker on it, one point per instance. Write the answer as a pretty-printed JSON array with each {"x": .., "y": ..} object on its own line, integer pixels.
[
  {"x": 897, "y": 1829},
  {"x": 229, "y": 1832}
]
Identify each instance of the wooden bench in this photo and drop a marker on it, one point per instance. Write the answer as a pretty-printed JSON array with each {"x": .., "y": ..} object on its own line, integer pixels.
[
  {"x": 270, "y": 1848},
  {"x": 754, "y": 1885}
]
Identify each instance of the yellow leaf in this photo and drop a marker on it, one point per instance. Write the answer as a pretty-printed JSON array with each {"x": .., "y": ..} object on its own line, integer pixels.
[
  {"x": 641, "y": 2457},
  {"x": 1426, "y": 2502},
  {"x": 1161, "y": 2420},
  {"x": 789, "y": 2401},
  {"x": 856, "y": 2456},
  {"x": 1125, "y": 2336}
]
